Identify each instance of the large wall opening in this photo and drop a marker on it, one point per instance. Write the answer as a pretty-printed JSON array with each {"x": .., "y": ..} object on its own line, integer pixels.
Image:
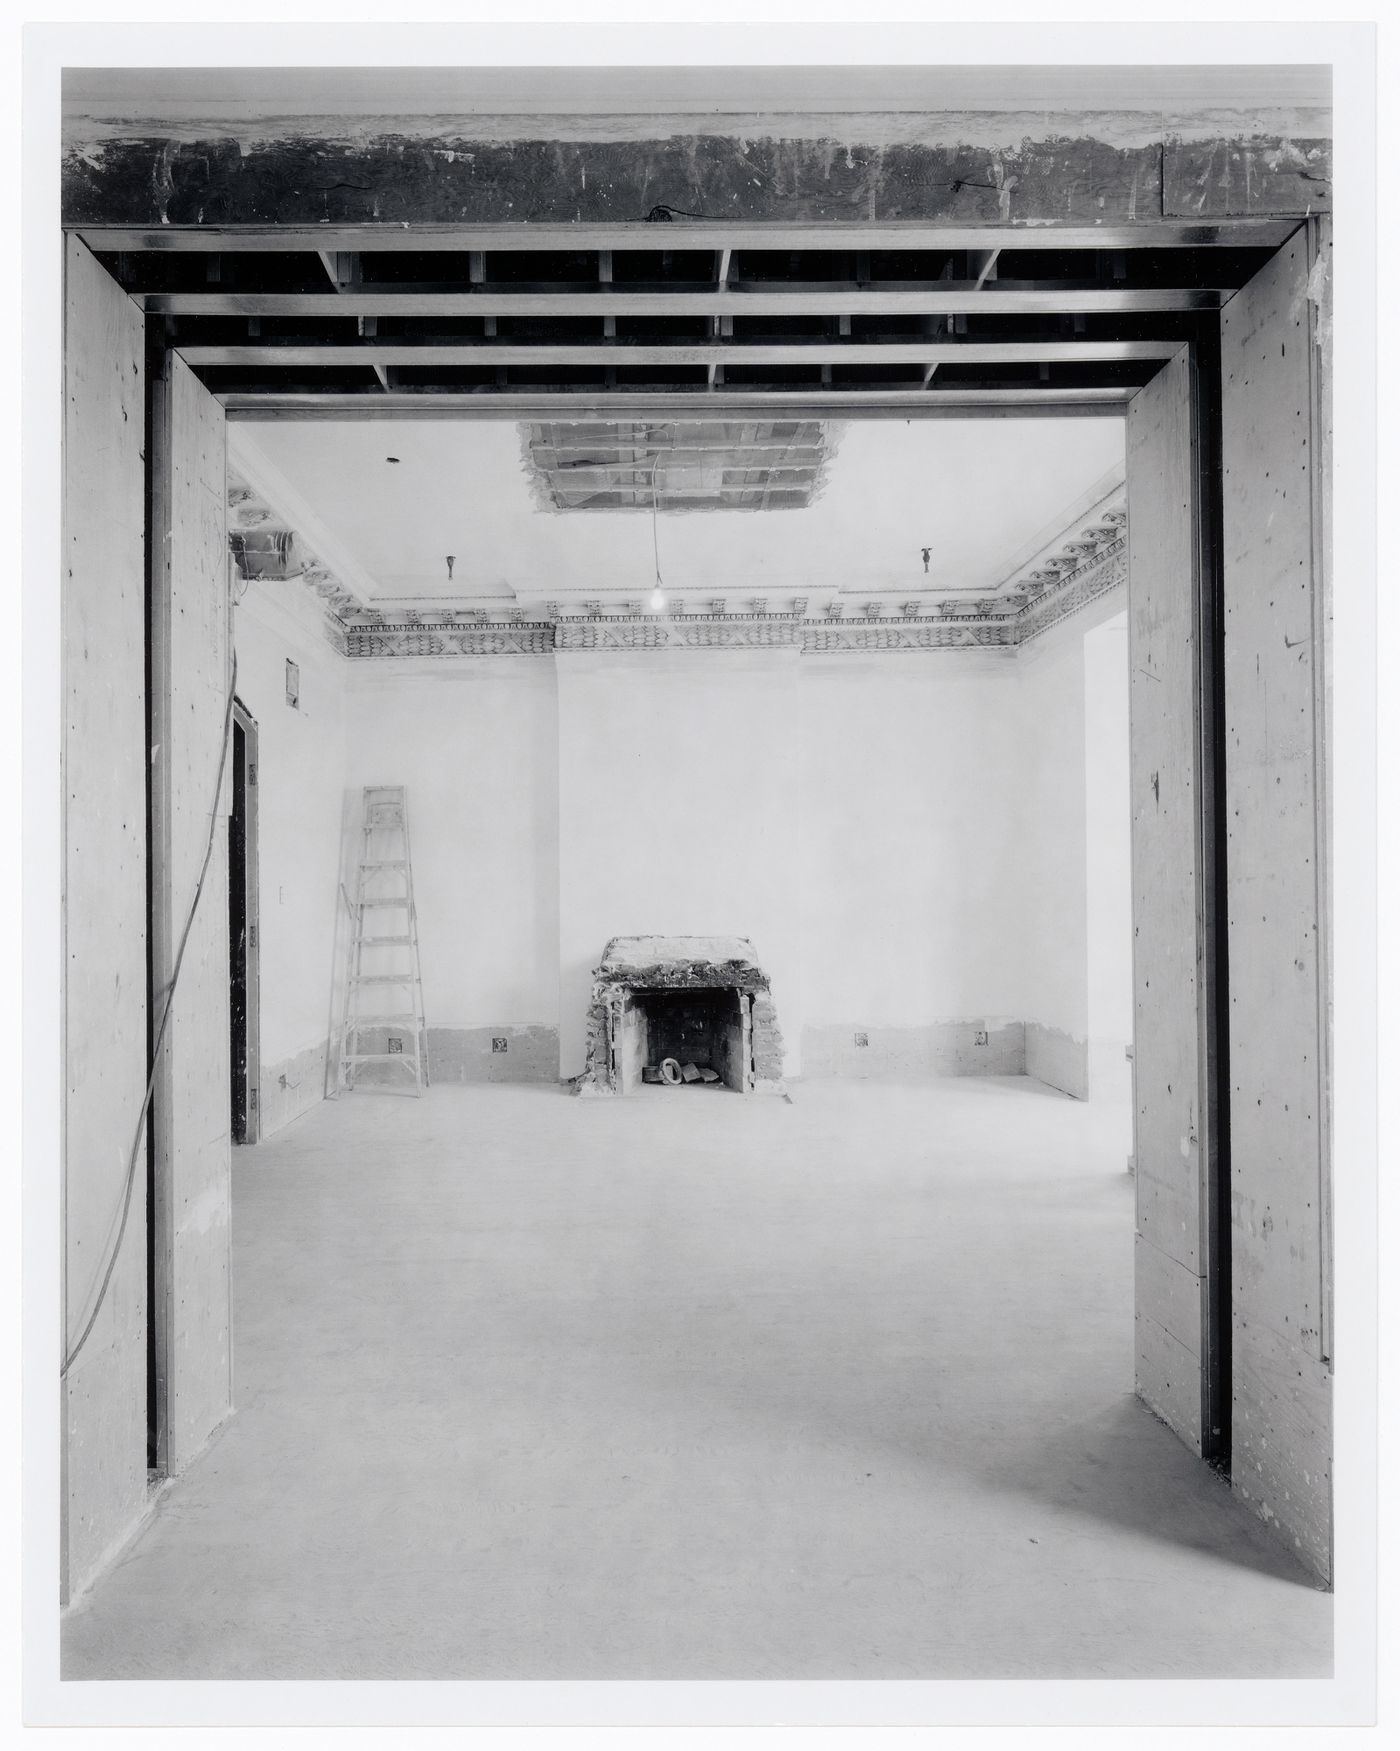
[{"x": 933, "y": 747}]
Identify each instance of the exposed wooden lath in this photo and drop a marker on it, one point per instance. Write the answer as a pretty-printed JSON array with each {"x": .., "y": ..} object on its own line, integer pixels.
[{"x": 678, "y": 465}]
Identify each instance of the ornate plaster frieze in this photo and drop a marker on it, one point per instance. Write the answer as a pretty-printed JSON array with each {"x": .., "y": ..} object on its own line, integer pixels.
[
  {"x": 895, "y": 635},
  {"x": 708, "y": 632},
  {"x": 518, "y": 639}
]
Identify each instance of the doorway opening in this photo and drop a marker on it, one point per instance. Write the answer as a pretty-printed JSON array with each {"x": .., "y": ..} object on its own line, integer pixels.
[{"x": 243, "y": 928}]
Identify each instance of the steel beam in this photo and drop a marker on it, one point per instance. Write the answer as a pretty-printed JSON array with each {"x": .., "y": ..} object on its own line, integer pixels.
[
  {"x": 600, "y": 354},
  {"x": 769, "y": 236}
]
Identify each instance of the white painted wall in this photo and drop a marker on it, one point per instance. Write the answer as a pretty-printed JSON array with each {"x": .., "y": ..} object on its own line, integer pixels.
[
  {"x": 1050, "y": 917},
  {"x": 909, "y": 834},
  {"x": 301, "y": 776},
  {"x": 477, "y": 745},
  {"x": 904, "y": 839},
  {"x": 679, "y": 778},
  {"x": 909, "y": 841},
  {"x": 1108, "y": 870}
]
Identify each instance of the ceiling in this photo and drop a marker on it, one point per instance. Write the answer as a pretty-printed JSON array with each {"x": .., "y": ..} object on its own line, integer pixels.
[
  {"x": 983, "y": 496},
  {"x": 931, "y": 299}
]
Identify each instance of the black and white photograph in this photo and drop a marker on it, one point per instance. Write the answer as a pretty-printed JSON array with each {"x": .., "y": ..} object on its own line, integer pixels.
[{"x": 708, "y": 1004}]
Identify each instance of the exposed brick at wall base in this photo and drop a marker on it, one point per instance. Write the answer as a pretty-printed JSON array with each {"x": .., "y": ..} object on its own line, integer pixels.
[
  {"x": 767, "y": 1040},
  {"x": 465, "y": 1054},
  {"x": 291, "y": 1087},
  {"x": 1057, "y": 1058},
  {"x": 943, "y": 1048},
  {"x": 457, "y": 1055}
]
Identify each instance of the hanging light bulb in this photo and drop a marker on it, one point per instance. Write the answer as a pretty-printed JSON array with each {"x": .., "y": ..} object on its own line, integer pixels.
[{"x": 658, "y": 601}]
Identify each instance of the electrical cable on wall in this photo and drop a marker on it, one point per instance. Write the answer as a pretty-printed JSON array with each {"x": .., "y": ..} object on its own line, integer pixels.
[
  {"x": 111, "y": 1266},
  {"x": 658, "y": 598}
]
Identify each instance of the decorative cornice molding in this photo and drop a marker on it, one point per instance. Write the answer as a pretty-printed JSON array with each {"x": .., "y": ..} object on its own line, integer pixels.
[
  {"x": 995, "y": 623},
  {"x": 1088, "y": 564},
  {"x": 1096, "y": 577}
]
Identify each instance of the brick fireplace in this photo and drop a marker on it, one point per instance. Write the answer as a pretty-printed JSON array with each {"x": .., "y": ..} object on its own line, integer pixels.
[{"x": 696, "y": 1000}]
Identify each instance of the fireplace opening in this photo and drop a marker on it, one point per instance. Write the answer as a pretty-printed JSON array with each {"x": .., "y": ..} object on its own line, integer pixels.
[
  {"x": 700, "y": 1028},
  {"x": 701, "y": 1005}
]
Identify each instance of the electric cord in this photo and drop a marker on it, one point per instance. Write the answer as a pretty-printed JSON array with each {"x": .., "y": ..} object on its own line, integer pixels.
[
  {"x": 655, "y": 538},
  {"x": 74, "y": 1352}
]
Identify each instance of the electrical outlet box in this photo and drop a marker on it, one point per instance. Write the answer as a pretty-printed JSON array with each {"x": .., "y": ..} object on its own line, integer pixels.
[
  {"x": 395, "y": 1043},
  {"x": 862, "y": 1039},
  {"x": 498, "y": 1044},
  {"x": 980, "y": 1037}
]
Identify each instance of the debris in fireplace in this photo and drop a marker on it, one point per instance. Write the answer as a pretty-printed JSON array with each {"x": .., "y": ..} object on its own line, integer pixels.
[{"x": 674, "y": 1074}]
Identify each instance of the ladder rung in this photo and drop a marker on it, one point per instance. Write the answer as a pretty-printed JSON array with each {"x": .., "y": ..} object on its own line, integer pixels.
[{"x": 384, "y": 828}]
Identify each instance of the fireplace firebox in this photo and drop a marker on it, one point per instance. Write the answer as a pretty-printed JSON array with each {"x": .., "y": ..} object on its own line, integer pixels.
[{"x": 698, "y": 1002}]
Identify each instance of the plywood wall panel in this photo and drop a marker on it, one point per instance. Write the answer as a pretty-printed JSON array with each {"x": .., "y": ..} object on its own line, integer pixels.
[
  {"x": 1274, "y": 669},
  {"x": 193, "y": 1126},
  {"x": 1169, "y": 1132},
  {"x": 104, "y": 894}
]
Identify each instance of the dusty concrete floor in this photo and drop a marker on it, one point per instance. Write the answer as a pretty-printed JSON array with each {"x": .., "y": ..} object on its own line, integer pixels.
[{"x": 533, "y": 1387}]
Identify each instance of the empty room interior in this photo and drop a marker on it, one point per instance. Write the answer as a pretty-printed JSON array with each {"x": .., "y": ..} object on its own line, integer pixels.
[{"x": 696, "y": 851}]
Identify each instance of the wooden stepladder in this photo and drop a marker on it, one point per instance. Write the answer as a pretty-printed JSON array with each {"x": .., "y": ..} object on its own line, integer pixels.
[{"x": 383, "y": 1020}]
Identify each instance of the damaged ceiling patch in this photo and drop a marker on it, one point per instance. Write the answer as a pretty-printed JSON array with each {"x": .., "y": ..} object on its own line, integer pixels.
[{"x": 678, "y": 465}]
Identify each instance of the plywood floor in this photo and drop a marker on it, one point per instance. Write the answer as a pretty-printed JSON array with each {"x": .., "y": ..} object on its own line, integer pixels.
[{"x": 534, "y": 1387}]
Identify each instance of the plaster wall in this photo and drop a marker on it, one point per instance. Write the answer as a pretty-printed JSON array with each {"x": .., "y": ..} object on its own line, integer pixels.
[
  {"x": 909, "y": 849},
  {"x": 1108, "y": 866},
  {"x": 301, "y": 780},
  {"x": 679, "y": 814},
  {"x": 903, "y": 839},
  {"x": 477, "y": 744},
  {"x": 1049, "y": 920}
]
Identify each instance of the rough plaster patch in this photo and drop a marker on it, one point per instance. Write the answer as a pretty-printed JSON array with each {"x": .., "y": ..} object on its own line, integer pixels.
[
  {"x": 1058, "y": 1058},
  {"x": 978, "y": 1047},
  {"x": 305, "y": 1086}
]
